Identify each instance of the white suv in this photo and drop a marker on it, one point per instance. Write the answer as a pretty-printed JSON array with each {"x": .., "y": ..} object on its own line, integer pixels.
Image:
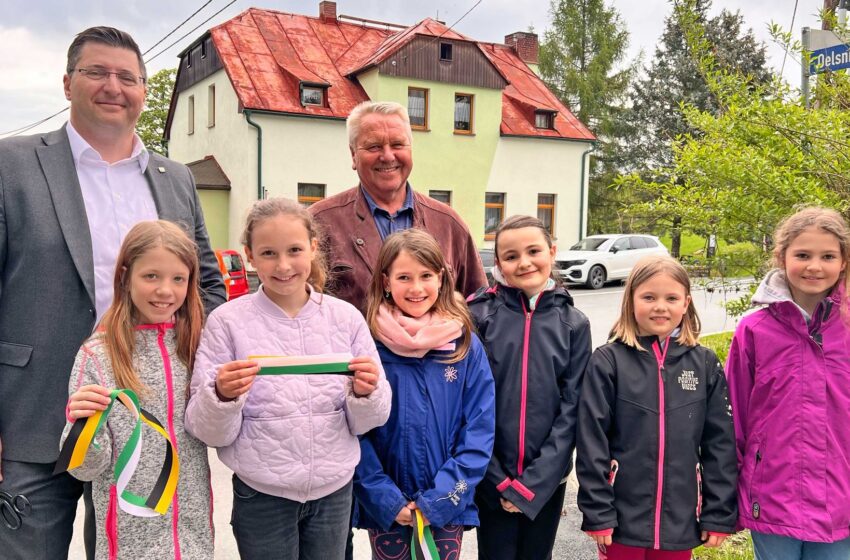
[{"x": 596, "y": 259}]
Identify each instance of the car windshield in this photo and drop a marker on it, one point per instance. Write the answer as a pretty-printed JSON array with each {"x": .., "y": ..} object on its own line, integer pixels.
[
  {"x": 233, "y": 263},
  {"x": 487, "y": 258},
  {"x": 589, "y": 244}
]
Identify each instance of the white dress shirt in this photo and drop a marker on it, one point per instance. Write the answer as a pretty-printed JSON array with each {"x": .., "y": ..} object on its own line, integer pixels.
[{"x": 117, "y": 197}]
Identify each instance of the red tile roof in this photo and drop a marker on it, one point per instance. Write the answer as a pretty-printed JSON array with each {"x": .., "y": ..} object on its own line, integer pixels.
[
  {"x": 267, "y": 54},
  {"x": 525, "y": 94}
]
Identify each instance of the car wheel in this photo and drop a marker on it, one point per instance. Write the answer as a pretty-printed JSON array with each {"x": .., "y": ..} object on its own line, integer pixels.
[{"x": 596, "y": 277}]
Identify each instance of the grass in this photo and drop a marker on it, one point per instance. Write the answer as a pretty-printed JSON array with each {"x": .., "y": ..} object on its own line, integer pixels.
[
  {"x": 692, "y": 252},
  {"x": 737, "y": 547},
  {"x": 719, "y": 342}
]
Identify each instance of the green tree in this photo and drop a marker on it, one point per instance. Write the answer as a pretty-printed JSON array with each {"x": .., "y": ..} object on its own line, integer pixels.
[
  {"x": 673, "y": 81},
  {"x": 151, "y": 125},
  {"x": 752, "y": 157},
  {"x": 583, "y": 60}
]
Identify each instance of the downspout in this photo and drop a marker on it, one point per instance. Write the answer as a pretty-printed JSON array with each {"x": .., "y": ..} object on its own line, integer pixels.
[
  {"x": 587, "y": 152},
  {"x": 259, "y": 153}
]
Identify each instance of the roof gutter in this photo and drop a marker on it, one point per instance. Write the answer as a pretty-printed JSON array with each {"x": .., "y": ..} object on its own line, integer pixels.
[
  {"x": 581, "y": 213},
  {"x": 297, "y": 115},
  {"x": 248, "y": 113},
  {"x": 556, "y": 138}
]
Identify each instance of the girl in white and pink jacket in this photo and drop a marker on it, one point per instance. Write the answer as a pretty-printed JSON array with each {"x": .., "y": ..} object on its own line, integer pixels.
[{"x": 291, "y": 440}]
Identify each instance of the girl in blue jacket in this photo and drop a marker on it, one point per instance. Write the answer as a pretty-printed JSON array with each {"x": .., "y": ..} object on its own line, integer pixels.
[{"x": 420, "y": 469}]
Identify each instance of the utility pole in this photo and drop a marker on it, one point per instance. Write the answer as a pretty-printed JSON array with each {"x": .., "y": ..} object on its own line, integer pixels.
[{"x": 829, "y": 7}]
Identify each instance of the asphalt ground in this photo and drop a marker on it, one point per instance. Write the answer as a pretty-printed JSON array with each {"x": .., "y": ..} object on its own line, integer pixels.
[{"x": 602, "y": 308}]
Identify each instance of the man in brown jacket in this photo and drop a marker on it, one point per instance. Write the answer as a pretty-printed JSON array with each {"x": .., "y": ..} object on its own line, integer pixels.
[{"x": 355, "y": 222}]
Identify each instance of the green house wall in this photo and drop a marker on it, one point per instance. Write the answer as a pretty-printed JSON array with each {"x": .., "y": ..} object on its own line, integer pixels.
[
  {"x": 443, "y": 159},
  {"x": 215, "y": 204}
]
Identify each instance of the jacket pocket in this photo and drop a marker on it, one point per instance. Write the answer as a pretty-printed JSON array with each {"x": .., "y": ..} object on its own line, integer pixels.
[
  {"x": 755, "y": 483},
  {"x": 612, "y": 474},
  {"x": 242, "y": 490},
  {"x": 12, "y": 354},
  {"x": 699, "y": 491}
]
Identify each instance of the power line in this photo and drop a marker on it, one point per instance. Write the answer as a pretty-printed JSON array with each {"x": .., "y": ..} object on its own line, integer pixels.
[
  {"x": 194, "y": 29},
  {"x": 25, "y": 128},
  {"x": 170, "y": 33},
  {"x": 449, "y": 28},
  {"x": 791, "y": 29}
]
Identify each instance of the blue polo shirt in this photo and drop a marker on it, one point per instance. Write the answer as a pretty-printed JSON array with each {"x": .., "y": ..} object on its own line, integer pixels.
[{"x": 390, "y": 223}]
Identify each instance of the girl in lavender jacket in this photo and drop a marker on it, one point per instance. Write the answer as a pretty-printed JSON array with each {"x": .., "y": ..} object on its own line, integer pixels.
[
  {"x": 789, "y": 381},
  {"x": 291, "y": 440}
]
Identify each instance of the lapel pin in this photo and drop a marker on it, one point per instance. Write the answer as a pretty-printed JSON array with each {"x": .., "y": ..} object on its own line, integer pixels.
[{"x": 161, "y": 169}]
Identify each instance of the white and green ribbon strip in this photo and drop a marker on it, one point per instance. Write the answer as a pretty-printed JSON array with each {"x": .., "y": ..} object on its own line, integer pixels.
[
  {"x": 319, "y": 364},
  {"x": 422, "y": 545},
  {"x": 82, "y": 434}
]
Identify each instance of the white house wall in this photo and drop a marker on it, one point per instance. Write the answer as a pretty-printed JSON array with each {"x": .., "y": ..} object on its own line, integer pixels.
[
  {"x": 525, "y": 167},
  {"x": 295, "y": 149}
]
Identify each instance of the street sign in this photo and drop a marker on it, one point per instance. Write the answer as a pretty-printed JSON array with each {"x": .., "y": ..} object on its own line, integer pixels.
[
  {"x": 828, "y": 52},
  {"x": 830, "y": 59}
]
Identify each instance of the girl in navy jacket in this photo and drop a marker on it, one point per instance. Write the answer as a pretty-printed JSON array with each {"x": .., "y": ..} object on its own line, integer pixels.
[
  {"x": 538, "y": 345},
  {"x": 426, "y": 461}
]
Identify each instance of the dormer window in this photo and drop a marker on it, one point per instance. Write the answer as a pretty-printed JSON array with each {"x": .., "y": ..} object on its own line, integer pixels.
[
  {"x": 446, "y": 51},
  {"x": 544, "y": 119},
  {"x": 313, "y": 95}
]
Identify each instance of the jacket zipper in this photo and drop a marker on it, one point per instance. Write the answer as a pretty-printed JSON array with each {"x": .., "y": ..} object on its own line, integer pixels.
[
  {"x": 169, "y": 384},
  {"x": 660, "y": 355},
  {"x": 699, "y": 492},
  {"x": 524, "y": 393}
]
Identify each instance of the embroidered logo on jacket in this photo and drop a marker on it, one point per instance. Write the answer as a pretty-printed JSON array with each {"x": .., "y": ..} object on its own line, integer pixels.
[
  {"x": 688, "y": 380},
  {"x": 460, "y": 488},
  {"x": 450, "y": 374}
]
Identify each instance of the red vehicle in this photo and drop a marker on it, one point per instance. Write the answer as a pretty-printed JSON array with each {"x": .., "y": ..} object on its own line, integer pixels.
[{"x": 233, "y": 271}]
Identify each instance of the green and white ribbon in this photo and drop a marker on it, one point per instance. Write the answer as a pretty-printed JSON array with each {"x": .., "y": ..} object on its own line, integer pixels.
[
  {"x": 319, "y": 364},
  {"x": 422, "y": 545}
]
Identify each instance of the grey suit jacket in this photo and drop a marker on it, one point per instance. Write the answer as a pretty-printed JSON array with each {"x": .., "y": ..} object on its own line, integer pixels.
[{"x": 47, "y": 283}]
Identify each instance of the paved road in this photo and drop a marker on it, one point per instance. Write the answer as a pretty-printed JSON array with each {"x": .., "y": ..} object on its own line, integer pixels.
[{"x": 602, "y": 308}]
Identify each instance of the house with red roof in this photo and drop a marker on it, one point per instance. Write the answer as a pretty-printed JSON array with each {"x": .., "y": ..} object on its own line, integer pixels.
[{"x": 265, "y": 96}]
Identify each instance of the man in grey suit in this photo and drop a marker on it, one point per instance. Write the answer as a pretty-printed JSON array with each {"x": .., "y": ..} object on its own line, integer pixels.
[{"x": 67, "y": 198}]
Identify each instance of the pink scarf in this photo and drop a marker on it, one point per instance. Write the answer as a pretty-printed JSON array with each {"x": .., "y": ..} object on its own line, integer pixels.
[{"x": 415, "y": 337}]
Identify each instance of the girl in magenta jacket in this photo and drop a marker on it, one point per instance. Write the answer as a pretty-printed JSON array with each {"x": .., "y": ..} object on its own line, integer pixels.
[{"x": 789, "y": 381}]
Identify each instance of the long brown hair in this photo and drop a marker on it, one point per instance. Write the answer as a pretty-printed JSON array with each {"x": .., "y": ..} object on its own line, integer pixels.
[
  {"x": 424, "y": 248},
  {"x": 271, "y": 207},
  {"x": 626, "y": 327},
  {"x": 120, "y": 319}
]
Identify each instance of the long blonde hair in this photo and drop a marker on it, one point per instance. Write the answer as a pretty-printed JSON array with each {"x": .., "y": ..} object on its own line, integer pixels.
[
  {"x": 271, "y": 207},
  {"x": 119, "y": 321},
  {"x": 626, "y": 328},
  {"x": 424, "y": 248}
]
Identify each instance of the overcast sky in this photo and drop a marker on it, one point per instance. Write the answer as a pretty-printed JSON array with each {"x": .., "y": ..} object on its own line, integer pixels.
[{"x": 34, "y": 35}]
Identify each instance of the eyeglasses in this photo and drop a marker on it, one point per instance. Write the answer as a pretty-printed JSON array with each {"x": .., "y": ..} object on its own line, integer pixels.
[{"x": 99, "y": 74}]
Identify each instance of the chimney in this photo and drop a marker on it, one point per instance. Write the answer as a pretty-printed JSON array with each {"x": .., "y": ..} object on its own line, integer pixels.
[
  {"x": 327, "y": 11},
  {"x": 525, "y": 44}
]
